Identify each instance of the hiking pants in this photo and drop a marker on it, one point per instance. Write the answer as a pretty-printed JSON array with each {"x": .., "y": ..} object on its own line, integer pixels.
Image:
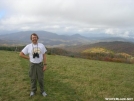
[{"x": 36, "y": 74}]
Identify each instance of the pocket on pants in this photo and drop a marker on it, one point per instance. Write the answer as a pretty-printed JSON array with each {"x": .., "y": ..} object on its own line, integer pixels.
[
  {"x": 40, "y": 71},
  {"x": 31, "y": 70},
  {"x": 41, "y": 65}
]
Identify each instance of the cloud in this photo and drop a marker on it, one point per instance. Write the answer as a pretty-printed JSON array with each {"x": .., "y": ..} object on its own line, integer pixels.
[
  {"x": 111, "y": 31},
  {"x": 72, "y": 16},
  {"x": 118, "y": 33}
]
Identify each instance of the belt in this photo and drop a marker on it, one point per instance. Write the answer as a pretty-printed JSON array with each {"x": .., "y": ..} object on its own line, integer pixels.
[{"x": 36, "y": 63}]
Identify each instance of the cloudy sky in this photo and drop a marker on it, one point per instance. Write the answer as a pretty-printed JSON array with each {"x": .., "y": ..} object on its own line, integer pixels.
[{"x": 86, "y": 17}]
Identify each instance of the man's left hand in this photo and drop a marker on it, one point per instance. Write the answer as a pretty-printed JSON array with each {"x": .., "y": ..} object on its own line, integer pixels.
[{"x": 44, "y": 68}]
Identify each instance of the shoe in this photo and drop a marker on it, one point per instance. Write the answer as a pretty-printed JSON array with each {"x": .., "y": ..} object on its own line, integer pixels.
[
  {"x": 32, "y": 94},
  {"x": 44, "y": 94}
]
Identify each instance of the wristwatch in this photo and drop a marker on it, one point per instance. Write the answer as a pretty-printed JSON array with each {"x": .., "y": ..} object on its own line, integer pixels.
[{"x": 45, "y": 64}]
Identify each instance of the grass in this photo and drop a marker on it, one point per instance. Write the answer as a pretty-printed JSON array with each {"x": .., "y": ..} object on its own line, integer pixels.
[{"x": 66, "y": 79}]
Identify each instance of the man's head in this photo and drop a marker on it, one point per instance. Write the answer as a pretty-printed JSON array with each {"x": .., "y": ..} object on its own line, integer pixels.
[{"x": 34, "y": 37}]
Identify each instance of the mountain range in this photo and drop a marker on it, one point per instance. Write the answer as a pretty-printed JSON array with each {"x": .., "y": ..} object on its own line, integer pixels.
[
  {"x": 47, "y": 38},
  {"x": 50, "y": 39}
]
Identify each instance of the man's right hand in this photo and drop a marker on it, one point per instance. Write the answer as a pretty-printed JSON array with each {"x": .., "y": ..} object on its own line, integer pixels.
[{"x": 23, "y": 55}]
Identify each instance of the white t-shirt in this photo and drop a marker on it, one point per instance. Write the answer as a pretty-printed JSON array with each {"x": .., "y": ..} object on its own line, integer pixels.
[{"x": 31, "y": 48}]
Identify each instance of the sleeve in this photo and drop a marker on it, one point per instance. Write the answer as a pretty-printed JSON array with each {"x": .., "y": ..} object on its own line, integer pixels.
[
  {"x": 44, "y": 50},
  {"x": 25, "y": 50}
]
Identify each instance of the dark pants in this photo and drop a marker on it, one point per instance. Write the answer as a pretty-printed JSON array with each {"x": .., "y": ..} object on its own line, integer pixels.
[{"x": 36, "y": 73}]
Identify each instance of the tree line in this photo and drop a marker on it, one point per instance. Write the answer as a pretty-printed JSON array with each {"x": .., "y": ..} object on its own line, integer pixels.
[
  {"x": 11, "y": 48},
  {"x": 116, "y": 57}
]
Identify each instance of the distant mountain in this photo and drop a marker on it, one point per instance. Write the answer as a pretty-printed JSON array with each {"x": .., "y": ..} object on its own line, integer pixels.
[
  {"x": 53, "y": 40},
  {"x": 109, "y": 39},
  {"x": 7, "y": 42},
  {"x": 116, "y": 46},
  {"x": 47, "y": 38}
]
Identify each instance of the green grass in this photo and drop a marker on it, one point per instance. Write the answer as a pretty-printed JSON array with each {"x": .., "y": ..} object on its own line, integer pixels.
[{"x": 66, "y": 79}]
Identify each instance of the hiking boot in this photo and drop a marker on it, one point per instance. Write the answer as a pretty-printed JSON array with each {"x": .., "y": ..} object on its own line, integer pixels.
[{"x": 44, "y": 94}]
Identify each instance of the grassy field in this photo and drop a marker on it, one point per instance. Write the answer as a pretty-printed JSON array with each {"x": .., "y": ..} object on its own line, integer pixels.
[{"x": 66, "y": 79}]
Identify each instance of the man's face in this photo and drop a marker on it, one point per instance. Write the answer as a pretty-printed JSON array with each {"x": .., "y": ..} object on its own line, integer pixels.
[{"x": 34, "y": 39}]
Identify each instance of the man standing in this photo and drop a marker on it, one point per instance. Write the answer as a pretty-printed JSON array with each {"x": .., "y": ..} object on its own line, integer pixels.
[{"x": 37, "y": 57}]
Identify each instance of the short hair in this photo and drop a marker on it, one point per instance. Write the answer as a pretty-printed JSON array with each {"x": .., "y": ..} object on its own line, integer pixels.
[{"x": 34, "y": 34}]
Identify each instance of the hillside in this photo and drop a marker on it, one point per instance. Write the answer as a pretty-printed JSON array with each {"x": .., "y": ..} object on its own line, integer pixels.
[
  {"x": 116, "y": 46},
  {"x": 66, "y": 79}
]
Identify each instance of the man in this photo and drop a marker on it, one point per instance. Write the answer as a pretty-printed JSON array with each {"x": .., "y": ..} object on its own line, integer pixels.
[{"x": 36, "y": 57}]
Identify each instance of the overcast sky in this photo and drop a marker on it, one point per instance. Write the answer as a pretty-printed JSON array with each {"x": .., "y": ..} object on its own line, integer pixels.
[{"x": 86, "y": 17}]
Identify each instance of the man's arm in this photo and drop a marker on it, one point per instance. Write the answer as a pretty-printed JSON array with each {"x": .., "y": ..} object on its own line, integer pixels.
[
  {"x": 44, "y": 60},
  {"x": 23, "y": 55}
]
